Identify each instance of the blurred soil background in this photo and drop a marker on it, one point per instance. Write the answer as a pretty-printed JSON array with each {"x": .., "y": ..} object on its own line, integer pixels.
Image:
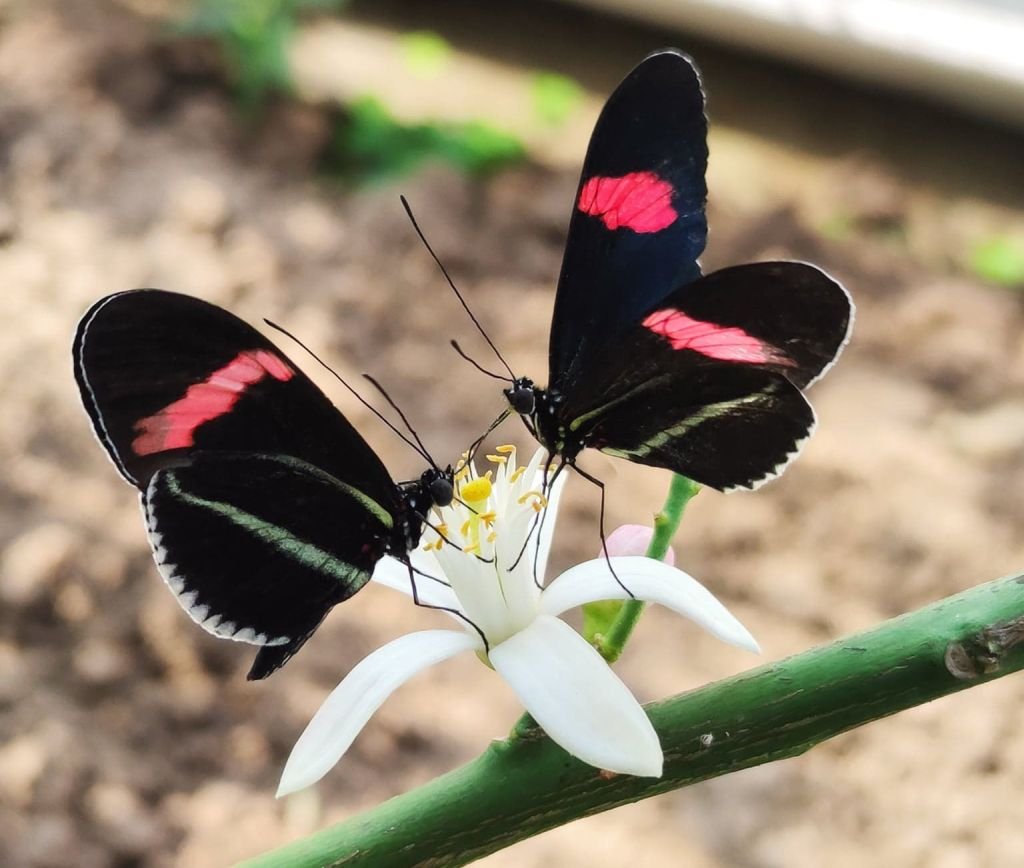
[{"x": 130, "y": 737}]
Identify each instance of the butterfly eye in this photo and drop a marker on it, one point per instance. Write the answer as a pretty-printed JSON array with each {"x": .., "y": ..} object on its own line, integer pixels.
[
  {"x": 521, "y": 397},
  {"x": 441, "y": 491}
]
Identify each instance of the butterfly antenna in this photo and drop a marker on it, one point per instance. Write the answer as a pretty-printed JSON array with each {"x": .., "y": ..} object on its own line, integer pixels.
[
  {"x": 477, "y": 365},
  {"x": 402, "y": 416},
  {"x": 360, "y": 398},
  {"x": 451, "y": 283}
]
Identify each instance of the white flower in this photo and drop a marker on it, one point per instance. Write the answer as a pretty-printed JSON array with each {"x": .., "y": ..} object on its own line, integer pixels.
[{"x": 561, "y": 680}]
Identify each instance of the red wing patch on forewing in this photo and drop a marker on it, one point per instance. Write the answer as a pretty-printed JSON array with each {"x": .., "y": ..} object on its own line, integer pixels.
[
  {"x": 174, "y": 427},
  {"x": 640, "y": 201},
  {"x": 727, "y": 343}
]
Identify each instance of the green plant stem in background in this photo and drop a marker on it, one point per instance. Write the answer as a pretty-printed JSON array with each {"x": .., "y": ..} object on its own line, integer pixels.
[
  {"x": 666, "y": 523},
  {"x": 521, "y": 787}
]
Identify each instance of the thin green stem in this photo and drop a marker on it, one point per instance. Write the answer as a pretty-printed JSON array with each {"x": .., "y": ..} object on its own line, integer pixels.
[
  {"x": 666, "y": 523},
  {"x": 521, "y": 787}
]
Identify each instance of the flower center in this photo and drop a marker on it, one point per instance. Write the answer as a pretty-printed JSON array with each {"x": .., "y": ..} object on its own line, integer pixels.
[{"x": 476, "y": 493}]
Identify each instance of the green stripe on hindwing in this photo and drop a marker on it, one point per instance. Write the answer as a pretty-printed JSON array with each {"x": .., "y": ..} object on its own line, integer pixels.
[
  {"x": 279, "y": 538},
  {"x": 368, "y": 503},
  {"x": 704, "y": 414},
  {"x": 647, "y": 386}
]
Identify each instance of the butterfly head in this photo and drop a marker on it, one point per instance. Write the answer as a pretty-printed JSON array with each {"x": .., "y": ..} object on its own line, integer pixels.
[{"x": 522, "y": 396}]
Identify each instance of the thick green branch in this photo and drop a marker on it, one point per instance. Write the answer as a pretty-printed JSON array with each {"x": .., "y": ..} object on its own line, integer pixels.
[{"x": 525, "y": 785}]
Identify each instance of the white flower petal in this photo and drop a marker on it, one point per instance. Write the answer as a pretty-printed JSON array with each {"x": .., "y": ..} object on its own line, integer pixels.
[
  {"x": 476, "y": 585},
  {"x": 577, "y": 699},
  {"x": 345, "y": 712},
  {"x": 392, "y": 573},
  {"x": 649, "y": 580}
]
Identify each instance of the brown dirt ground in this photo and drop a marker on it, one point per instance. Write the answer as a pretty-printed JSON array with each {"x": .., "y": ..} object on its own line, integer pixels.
[{"x": 129, "y": 737}]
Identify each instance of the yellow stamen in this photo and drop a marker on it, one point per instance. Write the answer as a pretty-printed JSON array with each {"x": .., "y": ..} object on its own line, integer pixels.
[
  {"x": 464, "y": 530},
  {"x": 461, "y": 474},
  {"x": 492, "y": 536},
  {"x": 473, "y": 549},
  {"x": 497, "y": 459},
  {"x": 489, "y": 475},
  {"x": 505, "y": 450},
  {"x": 541, "y": 499},
  {"x": 442, "y": 529},
  {"x": 488, "y": 517},
  {"x": 519, "y": 471}
]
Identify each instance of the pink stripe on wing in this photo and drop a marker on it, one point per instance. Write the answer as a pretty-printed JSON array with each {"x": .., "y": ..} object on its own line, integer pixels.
[
  {"x": 640, "y": 201},
  {"x": 727, "y": 343},
  {"x": 174, "y": 427}
]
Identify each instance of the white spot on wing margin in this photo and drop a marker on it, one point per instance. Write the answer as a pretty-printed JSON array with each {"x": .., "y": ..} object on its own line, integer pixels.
[
  {"x": 777, "y": 471},
  {"x": 177, "y": 583}
]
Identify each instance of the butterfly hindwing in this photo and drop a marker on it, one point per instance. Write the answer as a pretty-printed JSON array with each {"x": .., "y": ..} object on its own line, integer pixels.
[
  {"x": 728, "y": 429},
  {"x": 638, "y": 222},
  {"x": 162, "y": 374},
  {"x": 258, "y": 548}
]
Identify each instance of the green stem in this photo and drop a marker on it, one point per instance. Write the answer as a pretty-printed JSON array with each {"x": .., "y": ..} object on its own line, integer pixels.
[
  {"x": 521, "y": 787},
  {"x": 666, "y": 523}
]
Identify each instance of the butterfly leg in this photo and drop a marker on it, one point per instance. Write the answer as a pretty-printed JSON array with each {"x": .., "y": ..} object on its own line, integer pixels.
[
  {"x": 413, "y": 572},
  {"x": 604, "y": 541},
  {"x": 440, "y": 532},
  {"x": 538, "y": 520},
  {"x": 546, "y": 486}
]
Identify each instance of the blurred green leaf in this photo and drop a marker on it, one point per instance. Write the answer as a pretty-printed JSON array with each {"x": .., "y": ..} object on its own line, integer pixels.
[
  {"x": 370, "y": 146},
  {"x": 254, "y": 36},
  {"x": 838, "y": 227},
  {"x": 425, "y": 53},
  {"x": 555, "y": 97},
  {"x": 1000, "y": 260}
]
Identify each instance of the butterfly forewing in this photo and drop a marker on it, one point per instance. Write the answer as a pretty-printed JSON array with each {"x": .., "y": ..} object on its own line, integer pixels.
[
  {"x": 714, "y": 404},
  {"x": 789, "y": 317},
  {"x": 163, "y": 373},
  {"x": 258, "y": 548},
  {"x": 638, "y": 222}
]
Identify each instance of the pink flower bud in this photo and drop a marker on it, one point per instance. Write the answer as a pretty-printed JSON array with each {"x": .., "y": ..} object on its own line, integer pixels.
[{"x": 633, "y": 539}]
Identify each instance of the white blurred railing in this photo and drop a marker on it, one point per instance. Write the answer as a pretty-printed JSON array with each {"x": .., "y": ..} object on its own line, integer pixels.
[{"x": 965, "y": 52}]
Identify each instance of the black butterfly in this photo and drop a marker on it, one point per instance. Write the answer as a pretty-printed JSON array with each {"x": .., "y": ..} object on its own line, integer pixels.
[
  {"x": 648, "y": 360},
  {"x": 264, "y": 506}
]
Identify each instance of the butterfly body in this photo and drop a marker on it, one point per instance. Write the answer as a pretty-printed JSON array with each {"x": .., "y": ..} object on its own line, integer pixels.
[{"x": 264, "y": 507}]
